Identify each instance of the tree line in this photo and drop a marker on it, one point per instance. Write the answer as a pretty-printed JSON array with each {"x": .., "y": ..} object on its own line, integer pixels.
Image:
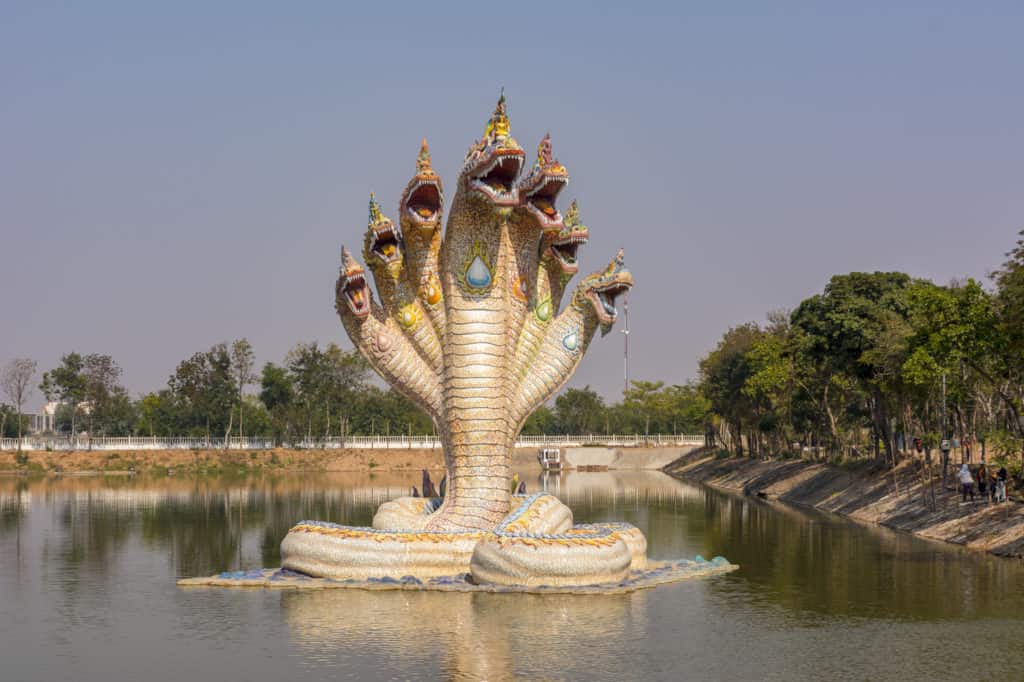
[
  {"x": 317, "y": 392},
  {"x": 872, "y": 363}
]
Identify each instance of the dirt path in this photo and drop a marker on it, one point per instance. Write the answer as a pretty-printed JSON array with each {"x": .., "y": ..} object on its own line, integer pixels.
[{"x": 867, "y": 496}]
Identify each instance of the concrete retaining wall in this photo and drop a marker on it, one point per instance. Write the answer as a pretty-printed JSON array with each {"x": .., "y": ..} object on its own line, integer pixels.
[{"x": 623, "y": 458}]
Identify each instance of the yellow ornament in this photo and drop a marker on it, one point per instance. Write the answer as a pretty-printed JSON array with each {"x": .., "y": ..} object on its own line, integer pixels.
[
  {"x": 407, "y": 316},
  {"x": 431, "y": 291},
  {"x": 519, "y": 289}
]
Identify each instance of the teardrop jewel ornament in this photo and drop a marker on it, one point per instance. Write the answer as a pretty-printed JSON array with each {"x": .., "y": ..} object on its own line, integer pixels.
[
  {"x": 544, "y": 310},
  {"x": 571, "y": 341},
  {"x": 477, "y": 275}
]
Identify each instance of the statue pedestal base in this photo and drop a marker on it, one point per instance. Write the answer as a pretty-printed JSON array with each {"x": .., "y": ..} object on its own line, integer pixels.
[
  {"x": 536, "y": 548},
  {"x": 656, "y": 573}
]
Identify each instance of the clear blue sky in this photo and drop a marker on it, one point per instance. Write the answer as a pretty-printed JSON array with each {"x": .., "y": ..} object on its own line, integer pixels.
[{"x": 177, "y": 174}]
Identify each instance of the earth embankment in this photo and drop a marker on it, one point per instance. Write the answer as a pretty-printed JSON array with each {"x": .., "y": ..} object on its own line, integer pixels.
[
  {"x": 215, "y": 461},
  {"x": 901, "y": 500}
]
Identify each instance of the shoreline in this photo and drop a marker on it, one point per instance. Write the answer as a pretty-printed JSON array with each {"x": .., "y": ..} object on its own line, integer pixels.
[
  {"x": 861, "y": 494},
  {"x": 865, "y": 496},
  {"x": 173, "y": 462}
]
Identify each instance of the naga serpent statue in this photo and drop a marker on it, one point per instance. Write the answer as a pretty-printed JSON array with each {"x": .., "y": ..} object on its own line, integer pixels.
[{"x": 471, "y": 327}]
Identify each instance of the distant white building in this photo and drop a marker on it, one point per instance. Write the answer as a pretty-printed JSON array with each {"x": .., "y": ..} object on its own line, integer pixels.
[{"x": 45, "y": 421}]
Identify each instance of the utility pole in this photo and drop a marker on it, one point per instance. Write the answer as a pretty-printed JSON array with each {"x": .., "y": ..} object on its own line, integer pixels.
[
  {"x": 943, "y": 405},
  {"x": 625, "y": 335},
  {"x": 943, "y": 439}
]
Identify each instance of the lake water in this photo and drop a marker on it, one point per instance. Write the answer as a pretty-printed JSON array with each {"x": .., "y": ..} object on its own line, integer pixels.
[{"x": 88, "y": 569}]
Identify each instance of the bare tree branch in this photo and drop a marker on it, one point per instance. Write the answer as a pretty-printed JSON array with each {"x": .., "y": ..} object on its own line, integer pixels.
[{"x": 16, "y": 383}]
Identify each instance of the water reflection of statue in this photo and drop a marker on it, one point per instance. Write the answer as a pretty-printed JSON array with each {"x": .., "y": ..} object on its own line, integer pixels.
[{"x": 479, "y": 636}]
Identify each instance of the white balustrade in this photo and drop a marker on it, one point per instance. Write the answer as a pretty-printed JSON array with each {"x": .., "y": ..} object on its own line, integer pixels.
[{"x": 63, "y": 443}]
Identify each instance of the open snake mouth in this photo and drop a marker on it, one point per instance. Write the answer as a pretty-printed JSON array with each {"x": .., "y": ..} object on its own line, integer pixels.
[
  {"x": 541, "y": 201},
  {"x": 385, "y": 243},
  {"x": 423, "y": 203},
  {"x": 564, "y": 250},
  {"x": 497, "y": 178},
  {"x": 356, "y": 293},
  {"x": 604, "y": 298}
]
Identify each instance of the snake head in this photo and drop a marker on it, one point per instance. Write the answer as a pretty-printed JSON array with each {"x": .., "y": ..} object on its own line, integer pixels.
[
  {"x": 382, "y": 245},
  {"x": 493, "y": 163},
  {"x": 540, "y": 188},
  {"x": 352, "y": 290},
  {"x": 423, "y": 198},
  {"x": 561, "y": 246},
  {"x": 601, "y": 289}
]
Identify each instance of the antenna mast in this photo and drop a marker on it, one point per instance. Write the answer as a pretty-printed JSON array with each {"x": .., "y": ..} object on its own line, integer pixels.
[{"x": 625, "y": 335}]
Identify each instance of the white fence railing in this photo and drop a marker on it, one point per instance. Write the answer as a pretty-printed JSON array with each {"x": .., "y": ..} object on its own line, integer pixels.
[{"x": 374, "y": 442}]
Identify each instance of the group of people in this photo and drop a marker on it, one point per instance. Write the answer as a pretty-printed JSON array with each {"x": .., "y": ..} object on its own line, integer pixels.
[{"x": 991, "y": 484}]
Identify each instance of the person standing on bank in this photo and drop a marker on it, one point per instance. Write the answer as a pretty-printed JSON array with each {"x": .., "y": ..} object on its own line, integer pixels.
[
  {"x": 1001, "y": 485},
  {"x": 966, "y": 482}
]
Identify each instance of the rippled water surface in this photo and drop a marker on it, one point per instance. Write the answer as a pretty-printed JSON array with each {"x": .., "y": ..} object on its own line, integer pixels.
[{"x": 88, "y": 569}]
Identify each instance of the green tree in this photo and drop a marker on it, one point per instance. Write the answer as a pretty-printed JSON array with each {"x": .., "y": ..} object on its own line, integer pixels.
[
  {"x": 687, "y": 408},
  {"x": 101, "y": 374},
  {"x": 646, "y": 400},
  {"x": 118, "y": 415},
  {"x": 347, "y": 377},
  {"x": 257, "y": 418},
  {"x": 580, "y": 411},
  {"x": 960, "y": 341},
  {"x": 205, "y": 389},
  {"x": 9, "y": 422},
  {"x": 221, "y": 389},
  {"x": 540, "y": 423},
  {"x": 842, "y": 328},
  {"x": 242, "y": 362},
  {"x": 772, "y": 384},
  {"x": 331, "y": 385},
  {"x": 1009, "y": 281},
  {"x": 66, "y": 383},
  {"x": 308, "y": 369},
  {"x": 277, "y": 394},
  {"x": 1008, "y": 345},
  {"x": 149, "y": 413},
  {"x": 724, "y": 373}
]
